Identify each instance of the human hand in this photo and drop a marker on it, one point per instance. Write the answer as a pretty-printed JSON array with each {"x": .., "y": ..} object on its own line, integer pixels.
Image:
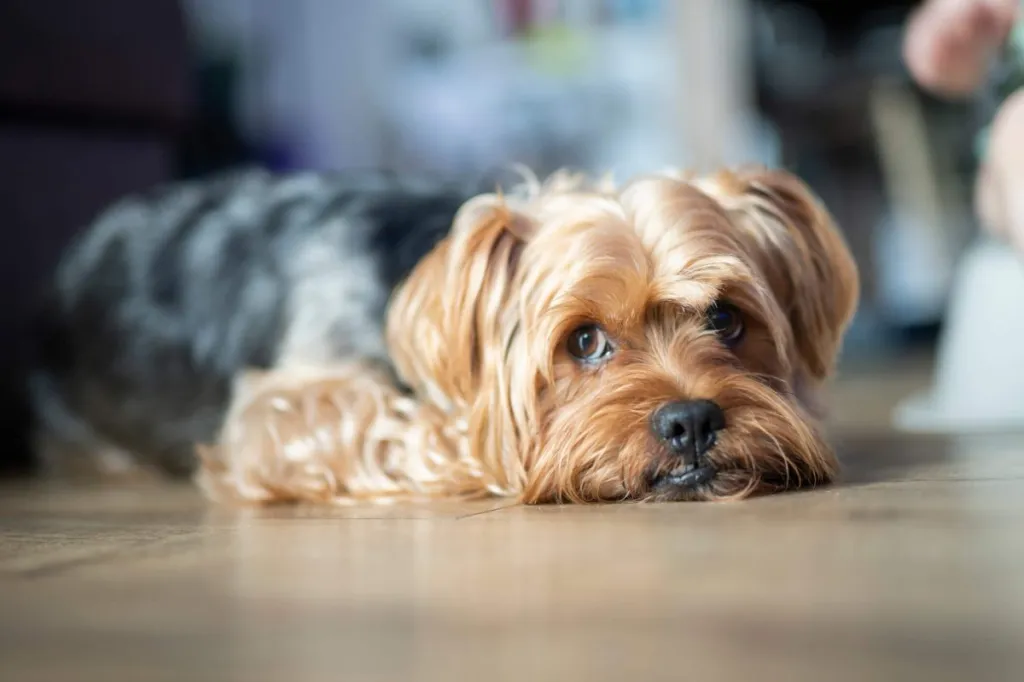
[{"x": 950, "y": 44}]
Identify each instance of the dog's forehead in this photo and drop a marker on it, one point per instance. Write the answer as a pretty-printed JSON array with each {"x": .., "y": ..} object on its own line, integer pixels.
[
  {"x": 673, "y": 227},
  {"x": 657, "y": 216},
  {"x": 669, "y": 251}
]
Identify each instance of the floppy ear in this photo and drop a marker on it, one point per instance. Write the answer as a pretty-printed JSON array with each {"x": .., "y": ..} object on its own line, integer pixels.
[
  {"x": 452, "y": 319},
  {"x": 451, "y": 330},
  {"x": 805, "y": 257}
]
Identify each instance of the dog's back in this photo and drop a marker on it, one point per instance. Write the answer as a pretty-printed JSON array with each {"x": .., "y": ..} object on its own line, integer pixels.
[{"x": 158, "y": 306}]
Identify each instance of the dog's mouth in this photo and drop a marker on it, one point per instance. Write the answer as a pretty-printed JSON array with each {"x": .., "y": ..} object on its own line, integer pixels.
[{"x": 686, "y": 477}]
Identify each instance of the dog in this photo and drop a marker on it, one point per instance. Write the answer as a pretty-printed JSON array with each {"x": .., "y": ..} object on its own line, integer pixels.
[{"x": 328, "y": 339}]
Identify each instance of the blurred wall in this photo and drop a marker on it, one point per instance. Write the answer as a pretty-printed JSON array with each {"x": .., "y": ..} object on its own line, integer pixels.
[
  {"x": 308, "y": 72},
  {"x": 461, "y": 86},
  {"x": 92, "y": 98}
]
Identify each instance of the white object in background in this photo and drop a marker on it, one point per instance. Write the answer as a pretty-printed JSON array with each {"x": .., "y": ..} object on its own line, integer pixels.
[
  {"x": 912, "y": 269},
  {"x": 979, "y": 375}
]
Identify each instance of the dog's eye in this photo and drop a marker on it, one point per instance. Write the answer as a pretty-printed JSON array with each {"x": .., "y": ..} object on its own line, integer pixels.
[
  {"x": 589, "y": 343},
  {"x": 726, "y": 320}
]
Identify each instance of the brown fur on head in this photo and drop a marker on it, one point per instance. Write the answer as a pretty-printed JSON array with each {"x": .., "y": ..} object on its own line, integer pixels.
[
  {"x": 483, "y": 323},
  {"x": 485, "y": 328}
]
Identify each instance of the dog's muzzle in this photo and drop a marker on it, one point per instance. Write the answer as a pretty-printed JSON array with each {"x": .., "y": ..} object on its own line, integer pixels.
[{"x": 688, "y": 429}]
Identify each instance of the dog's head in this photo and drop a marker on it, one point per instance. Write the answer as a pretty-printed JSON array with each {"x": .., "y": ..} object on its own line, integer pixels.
[{"x": 657, "y": 340}]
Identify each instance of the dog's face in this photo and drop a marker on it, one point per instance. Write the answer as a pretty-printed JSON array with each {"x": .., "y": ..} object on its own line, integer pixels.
[{"x": 657, "y": 341}]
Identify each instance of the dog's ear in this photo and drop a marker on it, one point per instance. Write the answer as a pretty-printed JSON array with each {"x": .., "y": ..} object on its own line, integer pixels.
[
  {"x": 805, "y": 257},
  {"x": 452, "y": 319}
]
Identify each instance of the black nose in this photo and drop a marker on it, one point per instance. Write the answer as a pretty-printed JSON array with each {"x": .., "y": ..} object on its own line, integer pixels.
[{"x": 688, "y": 427}]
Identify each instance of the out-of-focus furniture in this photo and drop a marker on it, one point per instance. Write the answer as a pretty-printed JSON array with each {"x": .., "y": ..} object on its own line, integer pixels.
[
  {"x": 92, "y": 97},
  {"x": 978, "y": 378}
]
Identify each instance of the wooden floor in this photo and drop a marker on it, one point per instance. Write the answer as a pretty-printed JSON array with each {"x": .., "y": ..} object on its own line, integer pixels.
[{"x": 911, "y": 569}]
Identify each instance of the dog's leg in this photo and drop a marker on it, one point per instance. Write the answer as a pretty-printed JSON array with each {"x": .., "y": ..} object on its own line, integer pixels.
[
  {"x": 67, "y": 445},
  {"x": 333, "y": 437}
]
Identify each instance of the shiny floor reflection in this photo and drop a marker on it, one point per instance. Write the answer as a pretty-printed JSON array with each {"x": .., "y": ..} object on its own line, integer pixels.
[{"x": 908, "y": 570}]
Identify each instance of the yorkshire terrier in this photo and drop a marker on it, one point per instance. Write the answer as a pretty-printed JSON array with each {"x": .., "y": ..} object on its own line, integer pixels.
[{"x": 330, "y": 339}]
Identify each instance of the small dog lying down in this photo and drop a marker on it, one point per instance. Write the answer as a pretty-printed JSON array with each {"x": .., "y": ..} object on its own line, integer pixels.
[{"x": 328, "y": 339}]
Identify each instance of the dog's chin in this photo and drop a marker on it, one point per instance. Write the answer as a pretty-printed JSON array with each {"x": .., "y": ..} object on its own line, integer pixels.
[
  {"x": 709, "y": 482},
  {"x": 683, "y": 483}
]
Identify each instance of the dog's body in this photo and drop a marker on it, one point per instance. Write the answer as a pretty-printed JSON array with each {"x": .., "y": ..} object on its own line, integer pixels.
[
  {"x": 327, "y": 339},
  {"x": 170, "y": 295}
]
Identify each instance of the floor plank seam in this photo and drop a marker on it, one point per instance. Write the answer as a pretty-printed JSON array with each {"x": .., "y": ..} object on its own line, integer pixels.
[{"x": 57, "y": 568}]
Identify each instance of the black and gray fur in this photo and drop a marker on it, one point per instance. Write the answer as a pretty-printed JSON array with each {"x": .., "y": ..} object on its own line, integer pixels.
[{"x": 168, "y": 296}]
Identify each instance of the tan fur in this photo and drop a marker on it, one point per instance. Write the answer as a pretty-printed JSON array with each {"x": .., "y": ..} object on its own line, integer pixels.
[{"x": 498, "y": 407}]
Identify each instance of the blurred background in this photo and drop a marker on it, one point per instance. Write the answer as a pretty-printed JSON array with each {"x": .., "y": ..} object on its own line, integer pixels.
[{"x": 103, "y": 97}]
